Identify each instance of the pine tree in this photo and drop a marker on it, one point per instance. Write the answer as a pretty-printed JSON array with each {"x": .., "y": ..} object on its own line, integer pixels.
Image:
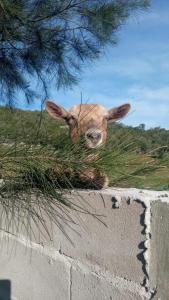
[{"x": 50, "y": 40}]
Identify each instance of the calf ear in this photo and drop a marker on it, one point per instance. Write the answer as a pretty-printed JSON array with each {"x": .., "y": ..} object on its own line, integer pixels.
[
  {"x": 56, "y": 111},
  {"x": 118, "y": 113}
]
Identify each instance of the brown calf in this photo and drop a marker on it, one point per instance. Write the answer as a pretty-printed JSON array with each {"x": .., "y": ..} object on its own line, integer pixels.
[{"x": 88, "y": 120}]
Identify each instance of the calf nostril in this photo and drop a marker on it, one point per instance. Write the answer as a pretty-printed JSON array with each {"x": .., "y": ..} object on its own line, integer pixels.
[
  {"x": 94, "y": 136},
  {"x": 89, "y": 136},
  {"x": 99, "y": 136}
]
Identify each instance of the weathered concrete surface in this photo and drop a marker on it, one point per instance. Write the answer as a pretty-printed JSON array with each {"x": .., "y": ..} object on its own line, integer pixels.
[
  {"x": 159, "y": 262},
  {"x": 113, "y": 246},
  {"x": 33, "y": 276},
  {"x": 86, "y": 259},
  {"x": 88, "y": 286},
  {"x": 36, "y": 272}
]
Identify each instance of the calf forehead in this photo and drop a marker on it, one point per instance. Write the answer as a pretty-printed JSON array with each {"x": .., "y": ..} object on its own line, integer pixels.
[{"x": 86, "y": 112}]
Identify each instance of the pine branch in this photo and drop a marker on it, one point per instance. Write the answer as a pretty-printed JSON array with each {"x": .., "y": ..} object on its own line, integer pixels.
[{"x": 55, "y": 37}]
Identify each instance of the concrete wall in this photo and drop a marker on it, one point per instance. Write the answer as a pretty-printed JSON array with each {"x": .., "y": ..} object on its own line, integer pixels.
[{"x": 117, "y": 251}]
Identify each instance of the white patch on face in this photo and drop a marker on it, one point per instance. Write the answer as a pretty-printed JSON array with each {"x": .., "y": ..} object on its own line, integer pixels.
[{"x": 93, "y": 143}]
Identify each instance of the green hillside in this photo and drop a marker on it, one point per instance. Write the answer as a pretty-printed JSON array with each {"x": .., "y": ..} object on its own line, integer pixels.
[
  {"x": 132, "y": 156},
  {"x": 37, "y": 127}
]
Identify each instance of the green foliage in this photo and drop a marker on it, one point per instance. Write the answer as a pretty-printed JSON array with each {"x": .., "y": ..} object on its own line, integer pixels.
[
  {"x": 31, "y": 143},
  {"x": 129, "y": 155},
  {"x": 49, "y": 40}
]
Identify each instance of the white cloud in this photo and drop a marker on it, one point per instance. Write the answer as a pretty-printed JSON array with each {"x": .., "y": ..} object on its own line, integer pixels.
[
  {"x": 158, "y": 95},
  {"x": 124, "y": 67},
  {"x": 149, "y": 106},
  {"x": 153, "y": 16},
  {"x": 132, "y": 68}
]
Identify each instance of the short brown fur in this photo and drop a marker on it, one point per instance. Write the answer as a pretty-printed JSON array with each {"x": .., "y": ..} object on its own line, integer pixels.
[
  {"x": 84, "y": 118},
  {"x": 89, "y": 121}
]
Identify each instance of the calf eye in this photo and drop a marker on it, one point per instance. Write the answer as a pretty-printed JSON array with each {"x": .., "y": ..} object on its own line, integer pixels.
[{"x": 71, "y": 120}]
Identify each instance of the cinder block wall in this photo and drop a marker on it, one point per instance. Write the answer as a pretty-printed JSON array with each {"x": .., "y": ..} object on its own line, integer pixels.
[{"x": 118, "y": 251}]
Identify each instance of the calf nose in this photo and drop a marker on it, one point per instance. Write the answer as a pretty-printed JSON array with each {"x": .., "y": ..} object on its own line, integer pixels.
[{"x": 94, "y": 136}]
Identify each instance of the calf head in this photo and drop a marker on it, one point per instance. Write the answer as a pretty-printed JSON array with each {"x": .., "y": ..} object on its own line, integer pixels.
[{"x": 88, "y": 120}]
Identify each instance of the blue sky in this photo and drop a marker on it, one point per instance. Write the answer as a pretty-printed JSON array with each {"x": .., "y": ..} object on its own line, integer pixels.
[{"x": 135, "y": 71}]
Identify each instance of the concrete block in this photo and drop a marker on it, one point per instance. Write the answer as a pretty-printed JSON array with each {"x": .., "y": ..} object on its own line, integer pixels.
[
  {"x": 32, "y": 275},
  {"x": 159, "y": 259},
  {"x": 80, "y": 233},
  {"x": 88, "y": 286},
  {"x": 114, "y": 247},
  {"x": 96, "y": 251}
]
